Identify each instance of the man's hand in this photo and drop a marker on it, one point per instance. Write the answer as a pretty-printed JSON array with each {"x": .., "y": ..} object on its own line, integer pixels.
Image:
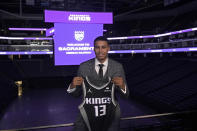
[
  {"x": 77, "y": 81},
  {"x": 118, "y": 81}
]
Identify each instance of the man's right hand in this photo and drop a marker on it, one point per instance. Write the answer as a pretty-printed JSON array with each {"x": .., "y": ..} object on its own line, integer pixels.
[{"x": 77, "y": 81}]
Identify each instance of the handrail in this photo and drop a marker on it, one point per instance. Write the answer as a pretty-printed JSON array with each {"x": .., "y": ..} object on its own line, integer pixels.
[{"x": 40, "y": 127}]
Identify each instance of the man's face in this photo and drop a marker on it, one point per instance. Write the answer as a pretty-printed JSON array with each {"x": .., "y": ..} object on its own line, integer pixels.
[{"x": 101, "y": 49}]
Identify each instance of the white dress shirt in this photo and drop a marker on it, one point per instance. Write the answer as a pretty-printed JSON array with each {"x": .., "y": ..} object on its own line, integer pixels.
[{"x": 105, "y": 64}]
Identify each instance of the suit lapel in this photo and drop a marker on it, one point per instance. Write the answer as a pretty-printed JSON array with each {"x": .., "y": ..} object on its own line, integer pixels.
[
  {"x": 107, "y": 74},
  {"x": 92, "y": 70}
]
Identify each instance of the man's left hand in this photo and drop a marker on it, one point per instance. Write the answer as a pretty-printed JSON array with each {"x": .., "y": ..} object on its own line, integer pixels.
[{"x": 118, "y": 81}]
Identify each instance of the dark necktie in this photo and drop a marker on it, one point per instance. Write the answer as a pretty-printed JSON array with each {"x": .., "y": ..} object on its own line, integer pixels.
[{"x": 101, "y": 71}]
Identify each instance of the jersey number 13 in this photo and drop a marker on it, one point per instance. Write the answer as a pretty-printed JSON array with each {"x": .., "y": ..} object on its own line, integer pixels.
[{"x": 100, "y": 110}]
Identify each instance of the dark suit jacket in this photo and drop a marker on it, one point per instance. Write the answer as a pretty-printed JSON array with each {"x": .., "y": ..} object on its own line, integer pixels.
[{"x": 114, "y": 69}]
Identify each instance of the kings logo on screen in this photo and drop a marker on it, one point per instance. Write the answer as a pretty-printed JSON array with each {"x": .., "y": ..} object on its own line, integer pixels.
[
  {"x": 75, "y": 17},
  {"x": 79, "y": 35}
]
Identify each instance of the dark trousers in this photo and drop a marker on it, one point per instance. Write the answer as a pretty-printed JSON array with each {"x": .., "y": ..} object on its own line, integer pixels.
[{"x": 115, "y": 126}]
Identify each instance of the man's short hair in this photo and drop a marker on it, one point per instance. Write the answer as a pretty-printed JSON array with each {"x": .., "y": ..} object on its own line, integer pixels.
[{"x": 101, "y": 38}]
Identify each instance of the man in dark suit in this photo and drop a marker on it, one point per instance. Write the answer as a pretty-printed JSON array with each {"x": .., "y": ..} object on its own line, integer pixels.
[{"x": 100, "y": 66}]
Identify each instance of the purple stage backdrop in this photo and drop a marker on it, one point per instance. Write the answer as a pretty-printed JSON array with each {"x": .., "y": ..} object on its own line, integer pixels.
[
  {"x": 74, "y": 33},
  {"x": 74, "y": 42}
]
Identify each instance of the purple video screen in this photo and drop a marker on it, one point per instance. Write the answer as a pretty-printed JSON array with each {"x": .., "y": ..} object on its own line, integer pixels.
[
  {"x": 73, "y": 43},
  {"x": 78, "y": 17}
]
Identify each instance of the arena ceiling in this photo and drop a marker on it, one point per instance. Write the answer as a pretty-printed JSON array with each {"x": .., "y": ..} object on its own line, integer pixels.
[{"x": 13, "y": 12}]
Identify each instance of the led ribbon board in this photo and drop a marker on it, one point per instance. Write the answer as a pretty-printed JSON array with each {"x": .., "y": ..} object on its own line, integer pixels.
[{"x": 74, "y": 34}]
